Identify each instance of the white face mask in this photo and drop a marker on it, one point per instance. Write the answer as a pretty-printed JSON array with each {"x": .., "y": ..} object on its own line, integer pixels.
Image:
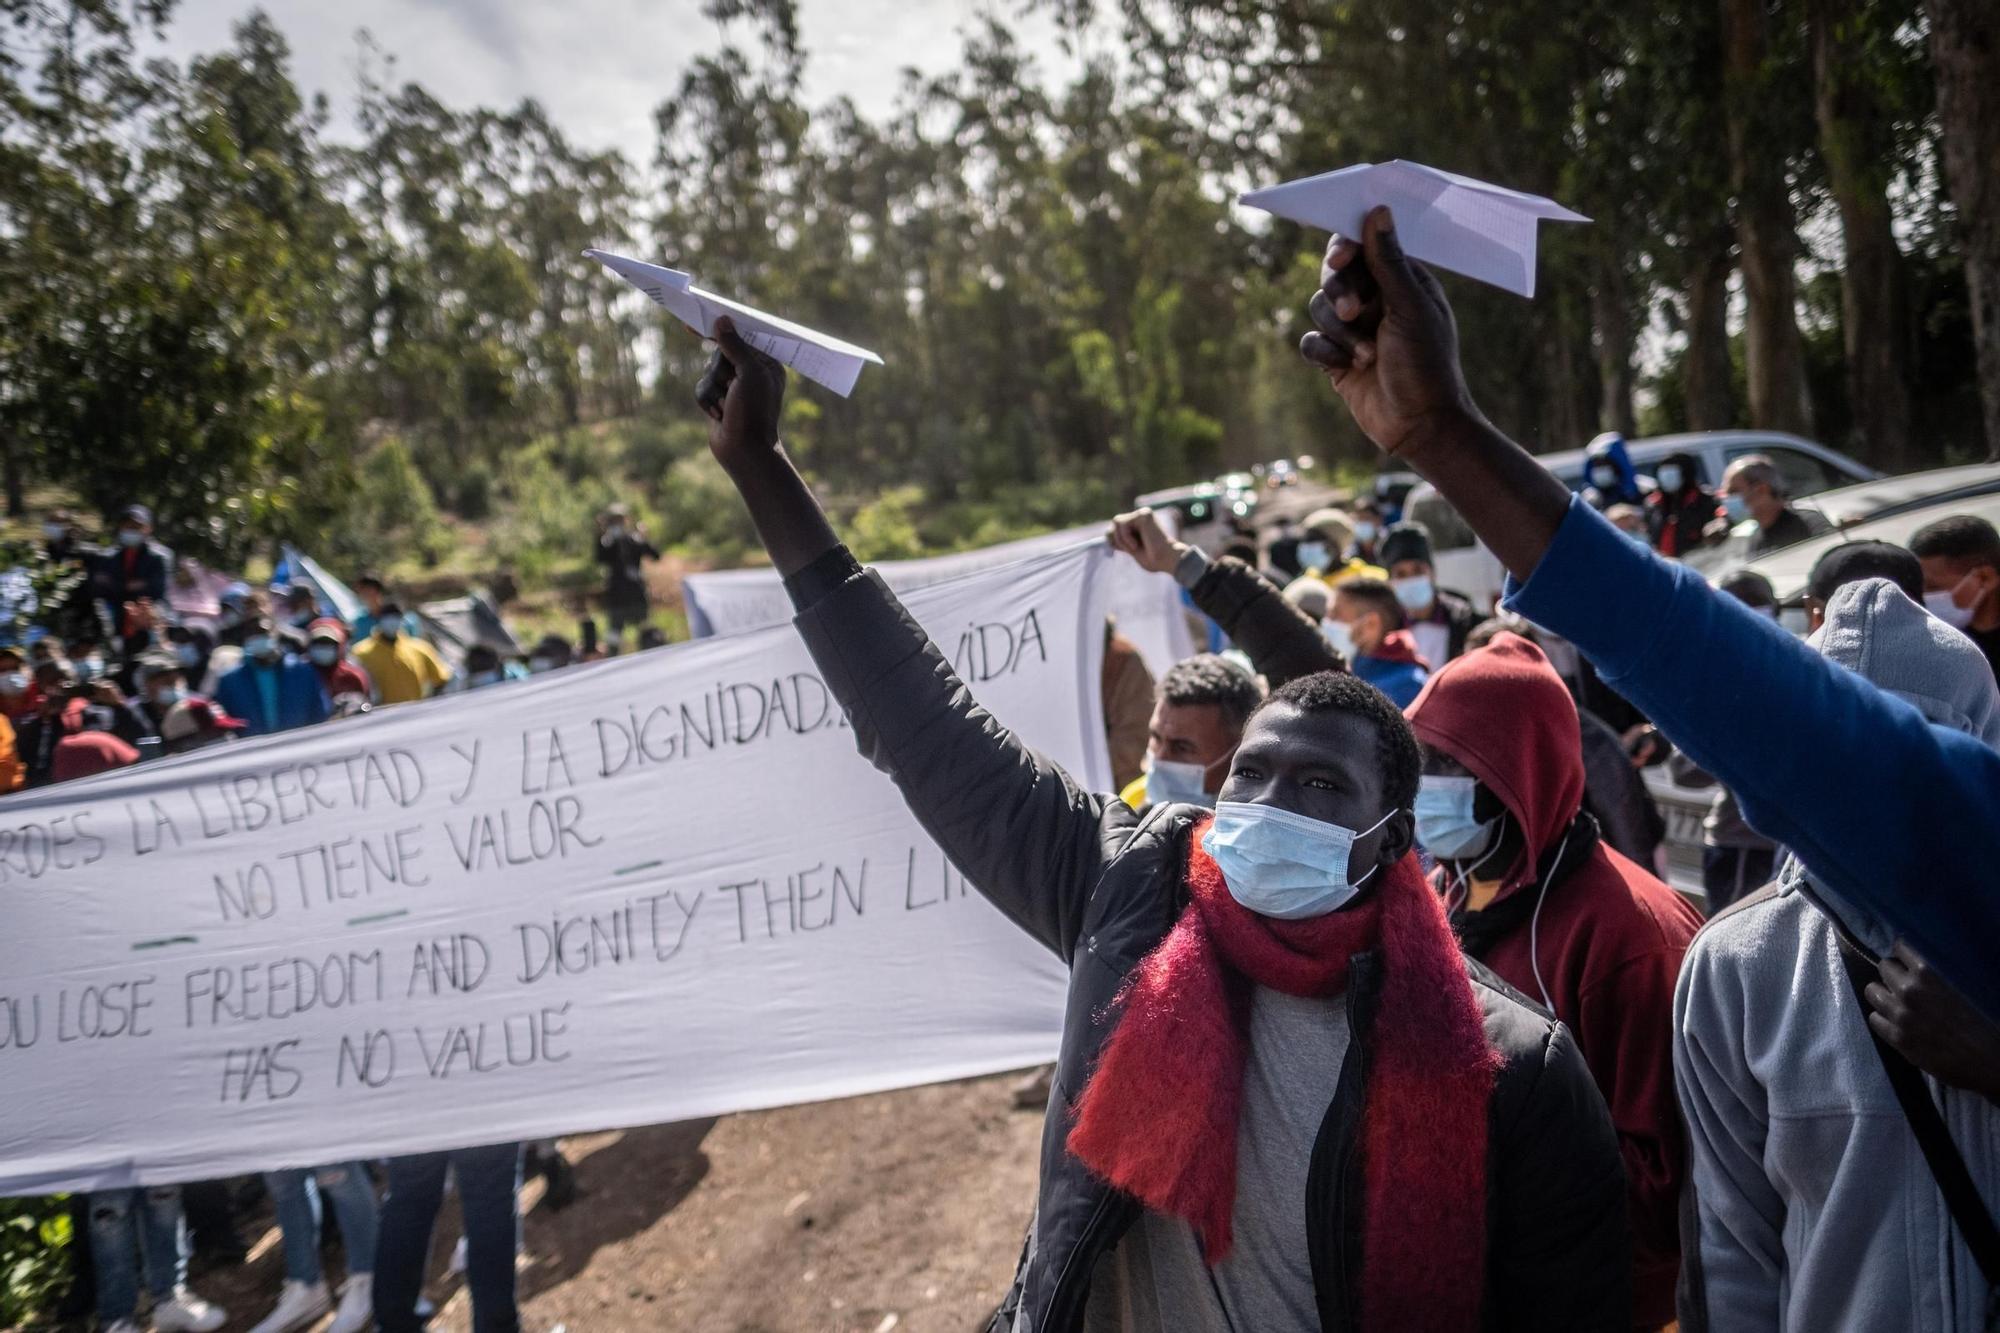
[
  {"x": 1168, "y": 780},
  {"x": 1282, "y": 864},
  {"x": 1416, "y": 593},
  {"x": 1941, "y": 605},
  {"x": 1340, "y": 635},
  {"x": 1446, "y": 826}
]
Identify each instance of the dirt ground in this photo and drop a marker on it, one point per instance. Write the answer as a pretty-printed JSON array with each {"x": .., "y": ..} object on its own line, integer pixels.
[{"x": 902, "y": 1211}]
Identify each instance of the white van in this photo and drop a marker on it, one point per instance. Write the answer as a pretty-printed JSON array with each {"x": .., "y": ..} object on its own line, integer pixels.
[{"x": 1465, "y": 565}]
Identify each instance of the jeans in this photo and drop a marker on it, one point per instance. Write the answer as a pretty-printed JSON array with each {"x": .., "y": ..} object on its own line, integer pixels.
[
  {"x": 1728, "y": 873},
  {"x": 295, "y": 1198},
  {"x": 489, "y": 1184},
  {"x": 150, "y": 1220}
]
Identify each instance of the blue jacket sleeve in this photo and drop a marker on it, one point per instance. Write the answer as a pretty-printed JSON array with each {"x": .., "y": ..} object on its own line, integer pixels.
[{"x": 1890, "y": 813}]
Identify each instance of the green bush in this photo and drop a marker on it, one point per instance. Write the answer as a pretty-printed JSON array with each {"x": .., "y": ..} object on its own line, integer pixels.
[
  {"x": 552, "y": 517},
  {"x": 390, "y": 515},
  {"x": 472, "y": 495},
  {"x": 886, "y": 527},
  {"x": 35, "y": 1236},
  {"x": 701, "y": 512}
]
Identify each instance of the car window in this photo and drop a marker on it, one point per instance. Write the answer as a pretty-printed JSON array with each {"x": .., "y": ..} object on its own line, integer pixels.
[{"x": 1803, "y": 473}]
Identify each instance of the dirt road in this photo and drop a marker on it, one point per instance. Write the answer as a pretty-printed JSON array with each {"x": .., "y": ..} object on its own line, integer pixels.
[{"x": 903, "y": 1211}]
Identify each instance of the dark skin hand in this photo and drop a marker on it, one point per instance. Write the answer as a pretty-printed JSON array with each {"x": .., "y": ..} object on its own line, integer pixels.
[
  {"x": 743, "y": 393},
  {"x": 1385, "y": 336},
  {"x": 1935, "y": 1028}
]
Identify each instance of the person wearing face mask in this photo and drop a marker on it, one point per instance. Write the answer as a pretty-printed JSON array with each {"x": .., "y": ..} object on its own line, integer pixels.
[
  {"x": 1679, "y": 512},
  {"x": 301, "y": 606},
  {"x": 271, "y": 690},
  {"x": 1754, "y": 489},
  {"x": 1198, "y": 717},
  {"x": 1365, "y": 627},
  {"x": 552, "y": 653},
  {"x": 60, "y": 544},
  {"x": 1812, "y": 1204},
  {"x": 1960, "y": 557},
  {"x": 1368, "y": 530},
  {"x": 403, "y": 667},
  {"x": 339, "y": 674},
  {"x": 1608, "y": 475},
  {"x": 482, "y": 667},
  {"x": 18, "y": 695},
  {"x": 1535, "y": 895},
  {"x": 1323, "y": 541},
  {"x": 1282, "y": 1101},
  {"x": 137, "y": 566},
  {"x": 1438, "y": 618},
  {"x": 622, "y": 548}
]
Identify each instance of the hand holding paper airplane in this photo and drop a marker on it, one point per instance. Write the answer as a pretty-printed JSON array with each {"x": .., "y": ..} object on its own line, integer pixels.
[
  {"x": 817, "y": 356},
  {"x": 1454, "y": 222}
]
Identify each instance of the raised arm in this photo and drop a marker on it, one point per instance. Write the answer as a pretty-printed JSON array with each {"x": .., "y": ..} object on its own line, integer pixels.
[
  {"x": 1282, "y": 642},
  {"x": 1027, "y": 836},
  {"x": 1875, "y": 801}
]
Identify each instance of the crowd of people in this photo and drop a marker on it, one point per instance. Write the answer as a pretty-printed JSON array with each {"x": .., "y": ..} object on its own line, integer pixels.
[
  {"x": 1373, "y": 1020},
  {"x": 110, "y": 674},
  {"x": 1382, "y": 1013}
]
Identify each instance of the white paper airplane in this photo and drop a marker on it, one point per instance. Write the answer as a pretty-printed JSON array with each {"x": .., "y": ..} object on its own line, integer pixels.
[
  {"x": 818, "y": 357},
  {"x": 1454, "y": 222}
]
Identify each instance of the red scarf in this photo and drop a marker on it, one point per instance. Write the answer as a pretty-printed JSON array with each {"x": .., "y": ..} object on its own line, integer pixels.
[{"x": 1158, "y": 1117}]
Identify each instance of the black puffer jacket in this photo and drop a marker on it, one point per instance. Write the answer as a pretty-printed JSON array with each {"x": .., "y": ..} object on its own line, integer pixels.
[{"x": 1101, "y": 884}]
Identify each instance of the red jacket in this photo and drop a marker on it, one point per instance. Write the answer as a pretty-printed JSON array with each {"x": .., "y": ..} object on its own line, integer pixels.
[{"x": 1608, "y": 936}]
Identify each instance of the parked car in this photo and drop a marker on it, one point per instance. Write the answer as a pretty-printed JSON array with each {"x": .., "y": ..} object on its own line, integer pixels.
[
  {"x": 1846, "y": 506},
  {"x": 1978, "y": 494},
  {"x": 1890, "y": 510},
  {"x": 1464, "y": 564}
]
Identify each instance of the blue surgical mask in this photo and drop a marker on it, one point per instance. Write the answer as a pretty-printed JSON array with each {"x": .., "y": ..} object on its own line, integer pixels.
[
  {"x": 1312, "y": 555},
  {"x": 1340, "y": 635},
  {"x": 324, "y": 654},
  {"x": 1734, "y": 508},
  {"x": 479, "y": 678},
  {"x": 389, "y": 626},
  {"x": 1605, "y": 478},
  {"x": 260, "y": 646},
  {"x": 131, "y": 537},
  {"x": 1446, "y": 826},
  {"x": 1415, "y": 593},
  {"x": 1670, "y": 478},
  {"x": 187, "y": 653},
  {"x": 1167, "y": 780},
  {"x": 1365, "y": 531},
  {"x": 1282, "y": 864}
]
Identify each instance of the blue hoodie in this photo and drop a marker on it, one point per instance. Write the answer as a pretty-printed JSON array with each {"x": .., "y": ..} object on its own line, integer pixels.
[
  {"x": 1610, "y": 448},
  {"x": 1889, "y": 813}
]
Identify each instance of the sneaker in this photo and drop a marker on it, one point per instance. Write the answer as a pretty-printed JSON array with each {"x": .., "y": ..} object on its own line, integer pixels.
[
  {"x": 357, "y": 1305},
  {"x": 298, "y": 1305},
  {"x": 186, "y": 1311}
]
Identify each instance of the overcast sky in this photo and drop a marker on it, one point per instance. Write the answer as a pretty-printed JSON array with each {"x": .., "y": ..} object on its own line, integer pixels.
[{"x": 599, "y": 66}]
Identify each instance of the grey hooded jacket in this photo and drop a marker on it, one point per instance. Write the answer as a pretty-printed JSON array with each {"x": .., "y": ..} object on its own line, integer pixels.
[{"x": 1810, "y": 1205}]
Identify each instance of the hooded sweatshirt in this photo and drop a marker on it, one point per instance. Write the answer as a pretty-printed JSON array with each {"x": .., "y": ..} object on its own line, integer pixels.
[
  {"x": 1610, "y": 449},
  {"x": 1394, "y": 667},
  {"x": 1812, "y": 1204},
  {"x": 1603, "y": 941}
]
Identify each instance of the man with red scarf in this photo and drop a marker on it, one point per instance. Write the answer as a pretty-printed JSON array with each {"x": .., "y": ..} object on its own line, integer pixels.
[{"x": 1282, "y": 1101}]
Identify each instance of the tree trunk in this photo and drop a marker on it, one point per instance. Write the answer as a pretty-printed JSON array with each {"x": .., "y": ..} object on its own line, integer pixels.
[
  {"x": 1965, "y": 47},
  {"x": 1611, "y": 327},
  {"x": 1856, "y": 143},
  {"x": 1773, "y": 351},
  {"x": 1708, "y": 378}
]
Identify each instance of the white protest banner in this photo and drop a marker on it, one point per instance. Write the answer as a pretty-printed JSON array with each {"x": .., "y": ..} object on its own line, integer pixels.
[
  {"x": 636, "y": 891},
  {"x": 1147, "y": 606}
]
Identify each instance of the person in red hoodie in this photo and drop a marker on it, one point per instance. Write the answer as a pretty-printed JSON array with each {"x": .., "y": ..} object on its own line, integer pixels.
[
  {"x": 339, "y": 673},
  {"x": 1539, "y": 898}
]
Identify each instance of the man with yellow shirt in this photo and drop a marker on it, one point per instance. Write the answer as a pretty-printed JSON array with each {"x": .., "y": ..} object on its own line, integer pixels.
[{"x": 403, "y": 667}]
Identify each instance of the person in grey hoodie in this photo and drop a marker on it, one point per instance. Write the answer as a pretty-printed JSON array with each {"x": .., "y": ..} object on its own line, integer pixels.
[{"x": 1810, "y": 1205}]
